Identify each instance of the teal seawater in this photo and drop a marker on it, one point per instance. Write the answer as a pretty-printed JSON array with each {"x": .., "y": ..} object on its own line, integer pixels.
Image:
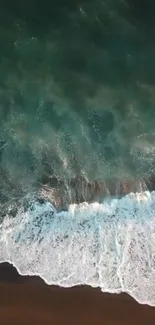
[{"x": 76, "y": 91}]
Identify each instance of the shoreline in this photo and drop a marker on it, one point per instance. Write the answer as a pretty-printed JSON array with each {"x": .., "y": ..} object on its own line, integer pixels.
[{"x": 28, "y": 300}]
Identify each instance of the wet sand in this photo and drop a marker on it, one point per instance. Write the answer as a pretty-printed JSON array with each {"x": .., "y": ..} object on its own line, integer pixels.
[{"x": 28, "y": 300}]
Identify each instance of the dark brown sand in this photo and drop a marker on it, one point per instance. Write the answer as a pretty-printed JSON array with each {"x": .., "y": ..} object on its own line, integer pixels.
[{"x": 28, "y": 300}]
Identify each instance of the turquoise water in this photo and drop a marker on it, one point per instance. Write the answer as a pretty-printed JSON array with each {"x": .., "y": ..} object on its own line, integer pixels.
[{"x": 76, "y": 91}]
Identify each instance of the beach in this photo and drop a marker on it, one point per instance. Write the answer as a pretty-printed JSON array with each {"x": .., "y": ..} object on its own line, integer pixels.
[
  {"x": 77, "y": 162},
  {"x": 28, "y": 300}
]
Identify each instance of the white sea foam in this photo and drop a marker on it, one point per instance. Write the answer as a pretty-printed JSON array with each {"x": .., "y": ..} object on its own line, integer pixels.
[{"x": 110, "y": 245}]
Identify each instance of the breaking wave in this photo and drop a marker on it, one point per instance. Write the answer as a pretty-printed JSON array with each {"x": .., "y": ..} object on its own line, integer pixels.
[{"x": 110, "y": 245}]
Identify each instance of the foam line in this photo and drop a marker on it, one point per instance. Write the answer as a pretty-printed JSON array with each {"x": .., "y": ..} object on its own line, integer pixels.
[{"x": 109, "y": 245}]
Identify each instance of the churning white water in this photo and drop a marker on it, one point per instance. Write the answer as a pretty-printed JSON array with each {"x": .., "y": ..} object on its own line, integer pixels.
[{"x": 109, "y": 245}]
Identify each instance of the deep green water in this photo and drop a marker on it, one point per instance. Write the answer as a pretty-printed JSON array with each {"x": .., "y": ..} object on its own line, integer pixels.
[{"x": 77, "y": 93}]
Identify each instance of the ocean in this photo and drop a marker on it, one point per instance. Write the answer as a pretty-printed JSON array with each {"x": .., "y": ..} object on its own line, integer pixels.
[{"x": 77, "y": 185}]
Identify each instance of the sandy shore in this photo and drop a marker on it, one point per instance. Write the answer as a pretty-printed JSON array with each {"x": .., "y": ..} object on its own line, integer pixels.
[{"x": 28, "y": 300}]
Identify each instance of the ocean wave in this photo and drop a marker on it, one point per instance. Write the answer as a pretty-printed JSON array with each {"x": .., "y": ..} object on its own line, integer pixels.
[{"x": 110, "y": 245}]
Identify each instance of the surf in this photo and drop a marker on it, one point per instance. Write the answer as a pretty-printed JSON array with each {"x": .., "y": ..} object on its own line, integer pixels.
[{"x": 108, "y": 245}]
